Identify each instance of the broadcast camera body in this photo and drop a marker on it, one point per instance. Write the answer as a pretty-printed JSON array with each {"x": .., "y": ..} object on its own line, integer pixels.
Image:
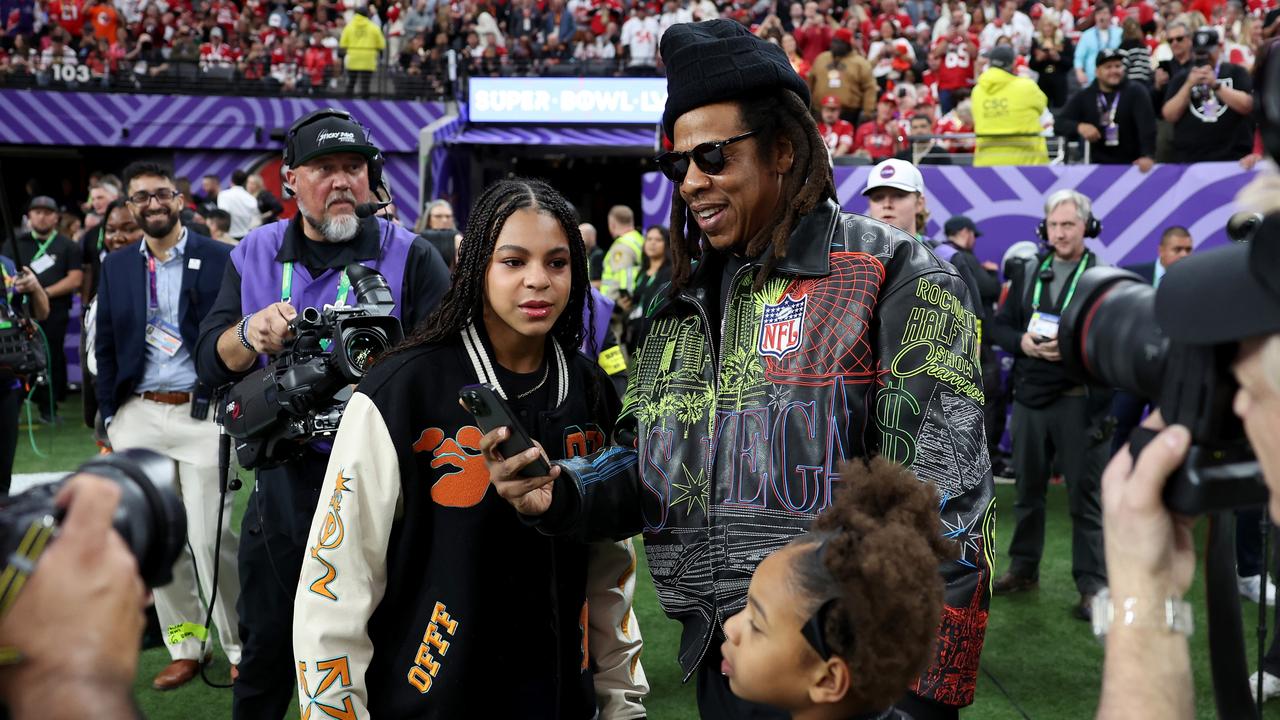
[
  {"x": 21, "y": 353},
  {"x": 301, "y": 395}
]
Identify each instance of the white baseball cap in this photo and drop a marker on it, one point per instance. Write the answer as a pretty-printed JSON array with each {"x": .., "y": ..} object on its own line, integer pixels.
[{"x": 895, "y": 173}]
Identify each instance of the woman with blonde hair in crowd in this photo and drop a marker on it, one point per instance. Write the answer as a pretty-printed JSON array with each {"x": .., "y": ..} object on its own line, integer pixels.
[
  {"x": 1242, "y": 49},
  {"x": 1051, "y": 59}
]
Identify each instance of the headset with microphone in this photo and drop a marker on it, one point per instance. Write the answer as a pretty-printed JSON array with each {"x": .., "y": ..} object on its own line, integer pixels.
[{"x": 377, "y": 184}]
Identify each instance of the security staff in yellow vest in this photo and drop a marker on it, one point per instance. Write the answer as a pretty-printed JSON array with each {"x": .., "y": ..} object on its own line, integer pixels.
[
  {"x": 1009, "y": 106},
  {"x": 624, "y": 254}
]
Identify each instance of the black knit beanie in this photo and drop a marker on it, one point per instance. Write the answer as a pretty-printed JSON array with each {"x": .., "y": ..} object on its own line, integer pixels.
[{"x": 717, "y": 60}]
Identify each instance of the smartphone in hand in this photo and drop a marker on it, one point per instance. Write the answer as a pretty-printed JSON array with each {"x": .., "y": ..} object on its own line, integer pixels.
[{"x": 492, "y": 412}]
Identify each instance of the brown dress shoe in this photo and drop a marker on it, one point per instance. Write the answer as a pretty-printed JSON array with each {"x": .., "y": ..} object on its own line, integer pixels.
[
  {"x": 176, "y": 674},
  {"x": 1011, "y": 582}
]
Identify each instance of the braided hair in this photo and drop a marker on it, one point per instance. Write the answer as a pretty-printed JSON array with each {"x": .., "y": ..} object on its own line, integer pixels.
[
  {"x": 876, "y": 550},
  {"x": 776, "y": 114},
  {"x": 464, "y": 302}
]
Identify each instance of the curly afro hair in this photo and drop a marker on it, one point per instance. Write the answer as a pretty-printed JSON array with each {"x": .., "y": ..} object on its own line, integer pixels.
[{"x": 877, "y": 550}]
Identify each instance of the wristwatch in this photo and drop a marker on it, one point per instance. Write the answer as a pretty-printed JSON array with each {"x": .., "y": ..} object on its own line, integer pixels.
[{"x": 1173, "y": 614}]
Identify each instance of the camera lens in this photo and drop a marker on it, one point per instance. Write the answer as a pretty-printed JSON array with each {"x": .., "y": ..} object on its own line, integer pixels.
[
  {"x": 150, "y": 518},
  {"x": 362, "y": 346},
  {"x": 1110, "y": 336}
]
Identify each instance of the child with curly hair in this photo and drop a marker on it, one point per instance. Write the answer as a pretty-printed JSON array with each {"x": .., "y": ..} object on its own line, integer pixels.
[{"x": 841, "y": 621}]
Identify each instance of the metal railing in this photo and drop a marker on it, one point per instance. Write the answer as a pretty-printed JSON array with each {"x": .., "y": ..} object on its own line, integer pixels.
[
  {"x": 436, "y": 80},
  {"x": 962, "y": 147}
]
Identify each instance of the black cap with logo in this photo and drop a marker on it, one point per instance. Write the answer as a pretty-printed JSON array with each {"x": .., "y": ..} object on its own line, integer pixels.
[
  {"x": 1107, "y": 55},
  {"x": 323, "y": 133},
  {"x": 1204, "y": 39}
]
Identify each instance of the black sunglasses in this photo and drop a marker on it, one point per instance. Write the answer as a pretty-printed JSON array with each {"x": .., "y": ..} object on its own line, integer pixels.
[{"x": 709, "y": 156}]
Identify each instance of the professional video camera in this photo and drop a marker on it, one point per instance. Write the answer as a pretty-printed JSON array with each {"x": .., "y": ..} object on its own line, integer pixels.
[
  {"x": 21, "y": 353},
  {"x": 150, "y": 518},
  {"x": 273, "y": 412},
  {"x": 1111, "y": 336}
]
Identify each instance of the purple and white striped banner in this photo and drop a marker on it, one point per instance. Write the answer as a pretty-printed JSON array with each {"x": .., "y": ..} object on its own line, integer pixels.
[
  {"x": 194, "y": 122},
  {"x": 400, "y": 172},
  {"x": 402, "y": 176},
  {"x": 1007, "y": 202},
  {"x": 196, "y": 164}
]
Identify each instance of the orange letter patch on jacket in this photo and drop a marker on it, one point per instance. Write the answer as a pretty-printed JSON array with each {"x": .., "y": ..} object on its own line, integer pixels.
[{"x": 425, "y": 665}]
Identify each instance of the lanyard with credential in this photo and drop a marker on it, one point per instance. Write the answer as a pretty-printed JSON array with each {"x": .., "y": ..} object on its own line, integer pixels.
[
  {"x": 1075, "y": 278},
  {"x": 286, "y": 291},
  {"x": 1108, "y": 110},
  {"x": 44, "y": 246},
  {"x": 286, "y": 285},
  {"x": 153, "y": 298}
]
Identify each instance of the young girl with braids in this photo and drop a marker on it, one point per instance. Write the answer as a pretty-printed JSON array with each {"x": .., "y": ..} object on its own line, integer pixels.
[
  {"x": 422, "y": 595},
  {"x": 840, "y": 622}
]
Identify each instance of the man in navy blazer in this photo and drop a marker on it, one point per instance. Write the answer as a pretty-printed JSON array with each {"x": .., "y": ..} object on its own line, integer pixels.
[{"x": 151, "y": 298}]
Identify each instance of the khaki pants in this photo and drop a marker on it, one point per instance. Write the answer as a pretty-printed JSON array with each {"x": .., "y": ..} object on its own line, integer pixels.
[{"x": 193, "y": 446}]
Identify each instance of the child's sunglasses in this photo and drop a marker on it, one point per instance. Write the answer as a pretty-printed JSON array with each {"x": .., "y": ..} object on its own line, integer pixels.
[{"x": 709, "y": 157}]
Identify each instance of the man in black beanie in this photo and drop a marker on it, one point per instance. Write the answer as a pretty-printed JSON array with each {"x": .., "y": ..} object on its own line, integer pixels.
[{"x": 803, "y": 337}]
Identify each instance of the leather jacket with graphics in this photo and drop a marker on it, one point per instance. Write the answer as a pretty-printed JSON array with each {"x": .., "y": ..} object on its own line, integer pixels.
[{"x": 733, "y": 427}]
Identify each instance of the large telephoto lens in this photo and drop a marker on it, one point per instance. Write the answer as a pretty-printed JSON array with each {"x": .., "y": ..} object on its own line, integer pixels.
[{"x": 1109, "y": 335}]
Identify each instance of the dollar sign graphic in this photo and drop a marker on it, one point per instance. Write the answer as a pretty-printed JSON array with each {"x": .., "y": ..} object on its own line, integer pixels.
[{"x": 895, "y": 444}]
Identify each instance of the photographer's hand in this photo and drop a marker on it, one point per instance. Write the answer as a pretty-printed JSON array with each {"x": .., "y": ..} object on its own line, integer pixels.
[
  {"x": 1149, "y": 549},
  {"x": 28, "y": 284},
  {"x": 529, "y": 496},
  {"x": 78, "y": 621},
  {"x": 268, "y": 329},
  {"x": 1150, "y": 557}
]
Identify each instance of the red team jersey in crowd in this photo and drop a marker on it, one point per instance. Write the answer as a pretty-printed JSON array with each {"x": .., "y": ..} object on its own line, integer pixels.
[
  {"x": 956, "y": 69},
  {"x": 225, "y": 13},
  {"x": 223, "y": 54},
  {"x": 838, "y": 137},
  {"x": 951, "y": 123},
  {"x": 67, "y": 14},
  {"x": 880, "y": 141}
]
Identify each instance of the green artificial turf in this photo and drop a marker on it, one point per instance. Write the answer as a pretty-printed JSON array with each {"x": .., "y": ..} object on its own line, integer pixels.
[{"x": 1047, "y": 663}]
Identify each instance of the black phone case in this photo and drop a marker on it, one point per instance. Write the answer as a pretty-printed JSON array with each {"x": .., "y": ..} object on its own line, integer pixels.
[{"x": 491, "y": 412}]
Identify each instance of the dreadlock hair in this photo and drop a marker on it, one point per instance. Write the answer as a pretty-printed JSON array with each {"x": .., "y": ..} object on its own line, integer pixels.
[
  {"x": 780, "y": 113},
  {"x": 876, "y": 550},
  {"x": 464, "y": 302}
]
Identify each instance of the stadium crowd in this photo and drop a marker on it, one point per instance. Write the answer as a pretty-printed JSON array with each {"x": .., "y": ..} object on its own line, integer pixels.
[{"x": 923, "y": 56}]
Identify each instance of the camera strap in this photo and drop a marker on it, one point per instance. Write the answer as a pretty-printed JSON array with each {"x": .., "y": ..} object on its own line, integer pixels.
[
  {"x": 22, "y": 562},
  {"x": 1228, "y": 665}
]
